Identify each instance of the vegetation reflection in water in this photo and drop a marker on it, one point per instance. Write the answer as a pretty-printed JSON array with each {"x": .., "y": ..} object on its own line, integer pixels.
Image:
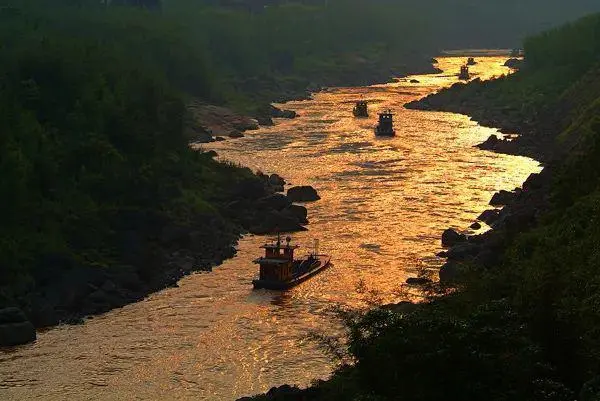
[{"x": 384, "y": 204}]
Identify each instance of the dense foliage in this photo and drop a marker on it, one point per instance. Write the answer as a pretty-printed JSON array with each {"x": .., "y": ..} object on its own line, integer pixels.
[{"x": 91, "y": 137}]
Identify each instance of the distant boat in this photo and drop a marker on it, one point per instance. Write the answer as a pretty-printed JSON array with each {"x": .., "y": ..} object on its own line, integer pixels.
[
  {"x": 464, "y": 73},
  {"x": 386, "y": 125},
  {"x": 360, "y": 109},
  {"x": 280, "y": 271},
  {"x": 471, "y": 61}
]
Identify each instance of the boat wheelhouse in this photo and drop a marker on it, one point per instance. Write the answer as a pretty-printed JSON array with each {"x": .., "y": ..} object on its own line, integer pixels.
[
  {"x": 385, "y": 127},
  {"x": 464, "y": 73},
  {"x": 360, "y": 109}
]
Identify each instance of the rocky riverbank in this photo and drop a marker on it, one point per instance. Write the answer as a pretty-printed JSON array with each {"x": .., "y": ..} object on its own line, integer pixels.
[
  {"x": 525, "y": 134},
  {"x": 513, "y": 211},
  {"x": 521, "y": 211},
  {"x": 159, "y": 251}
]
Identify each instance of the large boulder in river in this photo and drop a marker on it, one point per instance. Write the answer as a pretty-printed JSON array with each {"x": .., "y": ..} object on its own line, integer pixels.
[
  {"x": 15, "y": 329},
  {"x": 275, "y": 221},
  {"x": 298, "y": 212},
  {"x": 450, "y": 237},
  {"x": 279, "y": 113},
  {"x": 303, "y": 194}
]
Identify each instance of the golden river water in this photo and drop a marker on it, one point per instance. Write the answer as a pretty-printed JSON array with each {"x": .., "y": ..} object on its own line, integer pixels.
[{"x": 384, "y": 205}]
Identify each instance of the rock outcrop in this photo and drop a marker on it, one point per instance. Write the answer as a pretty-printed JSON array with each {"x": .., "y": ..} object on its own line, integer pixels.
[
  {"x": 502, "y": 198},
  {"x": 489, "y": 216},
  {"x": 298, "y": 212},
  {"x": 450, "y": 237},
  {"x": 514, "y": 63},
  {"x": 205, "y": 121},
  {"x": 303, "y": 194}
]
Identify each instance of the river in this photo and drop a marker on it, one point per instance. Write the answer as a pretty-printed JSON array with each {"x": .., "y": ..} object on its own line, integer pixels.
[{"x": 385, "y": 202}]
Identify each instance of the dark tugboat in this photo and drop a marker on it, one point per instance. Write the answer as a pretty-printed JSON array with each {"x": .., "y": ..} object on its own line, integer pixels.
[
  {"x": 360, "y": 109},
  {"x": 280, "y": 271},
  {"x": 471, "y": 61},
  {"x": 464, "y": 73},
  {"x": 386, "y": 125}
]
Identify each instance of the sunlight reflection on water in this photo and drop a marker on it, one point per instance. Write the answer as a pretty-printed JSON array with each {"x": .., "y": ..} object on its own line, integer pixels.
[{"x": 384, "y": 205}]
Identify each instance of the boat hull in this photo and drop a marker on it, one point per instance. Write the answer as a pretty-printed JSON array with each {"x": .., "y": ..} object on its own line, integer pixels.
[
  {"x": 385, "y": 133},
  {"x": 325, "y": 262},
  {"x": 360, "y": 113}
]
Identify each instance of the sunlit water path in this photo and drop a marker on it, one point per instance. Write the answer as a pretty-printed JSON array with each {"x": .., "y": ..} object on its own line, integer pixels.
[{"x": 384, "y": 205}]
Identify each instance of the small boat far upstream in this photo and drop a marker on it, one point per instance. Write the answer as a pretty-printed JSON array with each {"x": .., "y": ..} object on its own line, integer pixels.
[
  {"x": 386, "y": 124},
  {"x": 360, "y": 109},
  {"x": 280, "y": 271},
  {"x": 464, "y": 73}
]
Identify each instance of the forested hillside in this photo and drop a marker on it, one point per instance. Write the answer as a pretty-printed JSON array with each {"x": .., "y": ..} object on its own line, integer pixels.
[
  {"x": 460, "y": 23},
  {"x": 94, "y": 166}
]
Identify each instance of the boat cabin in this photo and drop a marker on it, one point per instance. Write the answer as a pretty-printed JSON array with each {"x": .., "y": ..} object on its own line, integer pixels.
[
  {"x": 471, "y": 61},
  {"x": 278, "y": 262},
  {"x": 360, "y": 109},
  {"x": 464, "y": 73},
  {"x": 386, "y": 124}
]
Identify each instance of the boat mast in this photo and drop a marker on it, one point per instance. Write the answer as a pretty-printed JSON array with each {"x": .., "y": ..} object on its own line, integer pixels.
[{"x": 278, "y": 237}]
